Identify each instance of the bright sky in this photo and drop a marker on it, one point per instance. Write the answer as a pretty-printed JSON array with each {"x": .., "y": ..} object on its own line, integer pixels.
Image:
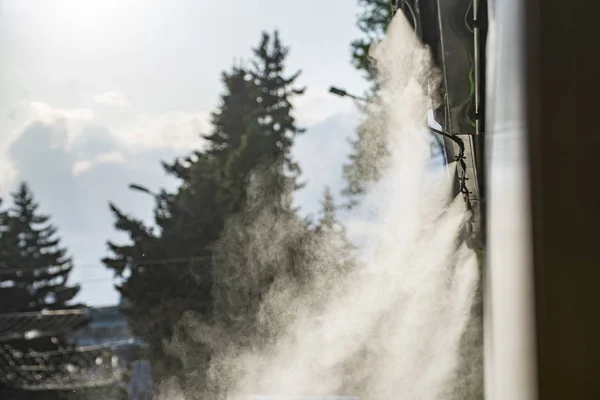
[{"x": 96, "y": 92}]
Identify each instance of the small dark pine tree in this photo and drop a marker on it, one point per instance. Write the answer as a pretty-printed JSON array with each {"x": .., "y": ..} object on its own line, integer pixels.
[
  {"x": 328, "y": 219},
  {"x": 34, "y": 269},
  {"x": 332, "y": 236}
]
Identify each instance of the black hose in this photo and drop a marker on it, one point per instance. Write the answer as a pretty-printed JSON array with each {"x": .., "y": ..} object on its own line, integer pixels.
[{"x": 460, "y": 158}]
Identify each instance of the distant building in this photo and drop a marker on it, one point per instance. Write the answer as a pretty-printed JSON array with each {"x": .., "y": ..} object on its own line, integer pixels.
[{"x": 109, "y": 325}]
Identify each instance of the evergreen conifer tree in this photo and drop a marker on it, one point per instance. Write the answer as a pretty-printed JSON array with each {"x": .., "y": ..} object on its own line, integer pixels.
[
  {"x": 34, "y": 269},
  {"x": 328, "y": 211},
  {"x": 170, "y": 268},
  {"x": 332, "y": 238},
  {"x": 34, "y": 266},
  {"x": 275, "y": 117}
]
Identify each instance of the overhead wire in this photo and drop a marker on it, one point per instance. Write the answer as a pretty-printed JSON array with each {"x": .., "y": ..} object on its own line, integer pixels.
[{"x": 150, "y": 262}]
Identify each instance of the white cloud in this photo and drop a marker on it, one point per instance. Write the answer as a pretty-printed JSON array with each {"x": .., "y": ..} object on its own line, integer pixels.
[
  {"x": 112, "y": 157},
  {"x": 81, "y": 166},
  {"x": 173, "y": 130},
  {"x": 47, "y": 113},
  {"x": 7, "y": 172},
  {"x": 112, "y": 98},
  {"x": 72, "y": 120},
  {"x": 177, "y": 130}
]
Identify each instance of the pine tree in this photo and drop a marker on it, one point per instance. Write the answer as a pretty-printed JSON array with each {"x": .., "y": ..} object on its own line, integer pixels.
[
  {"x": 34, "y": 270},
  {"x": 237, "y": 111},
  {"x": 276, "y": 119},
  {"x": 332, "y": 237},
  {"x": 255, "y": 124},
  {"x": 160, "y": 286},
  {"x": 328, "y": 219},
  {"x": 34, "y": 266},
  {"x": 170, "y": 268}
]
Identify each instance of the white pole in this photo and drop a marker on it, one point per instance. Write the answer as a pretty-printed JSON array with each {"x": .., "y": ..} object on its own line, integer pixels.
[{"x": 510, "y": 366}]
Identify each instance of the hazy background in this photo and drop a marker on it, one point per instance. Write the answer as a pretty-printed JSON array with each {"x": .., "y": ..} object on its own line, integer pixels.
[{"x": 95, "y": 93}]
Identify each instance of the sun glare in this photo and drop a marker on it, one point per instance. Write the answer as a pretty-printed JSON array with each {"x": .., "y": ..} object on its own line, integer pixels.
[{"x": 92, "y": 23}]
